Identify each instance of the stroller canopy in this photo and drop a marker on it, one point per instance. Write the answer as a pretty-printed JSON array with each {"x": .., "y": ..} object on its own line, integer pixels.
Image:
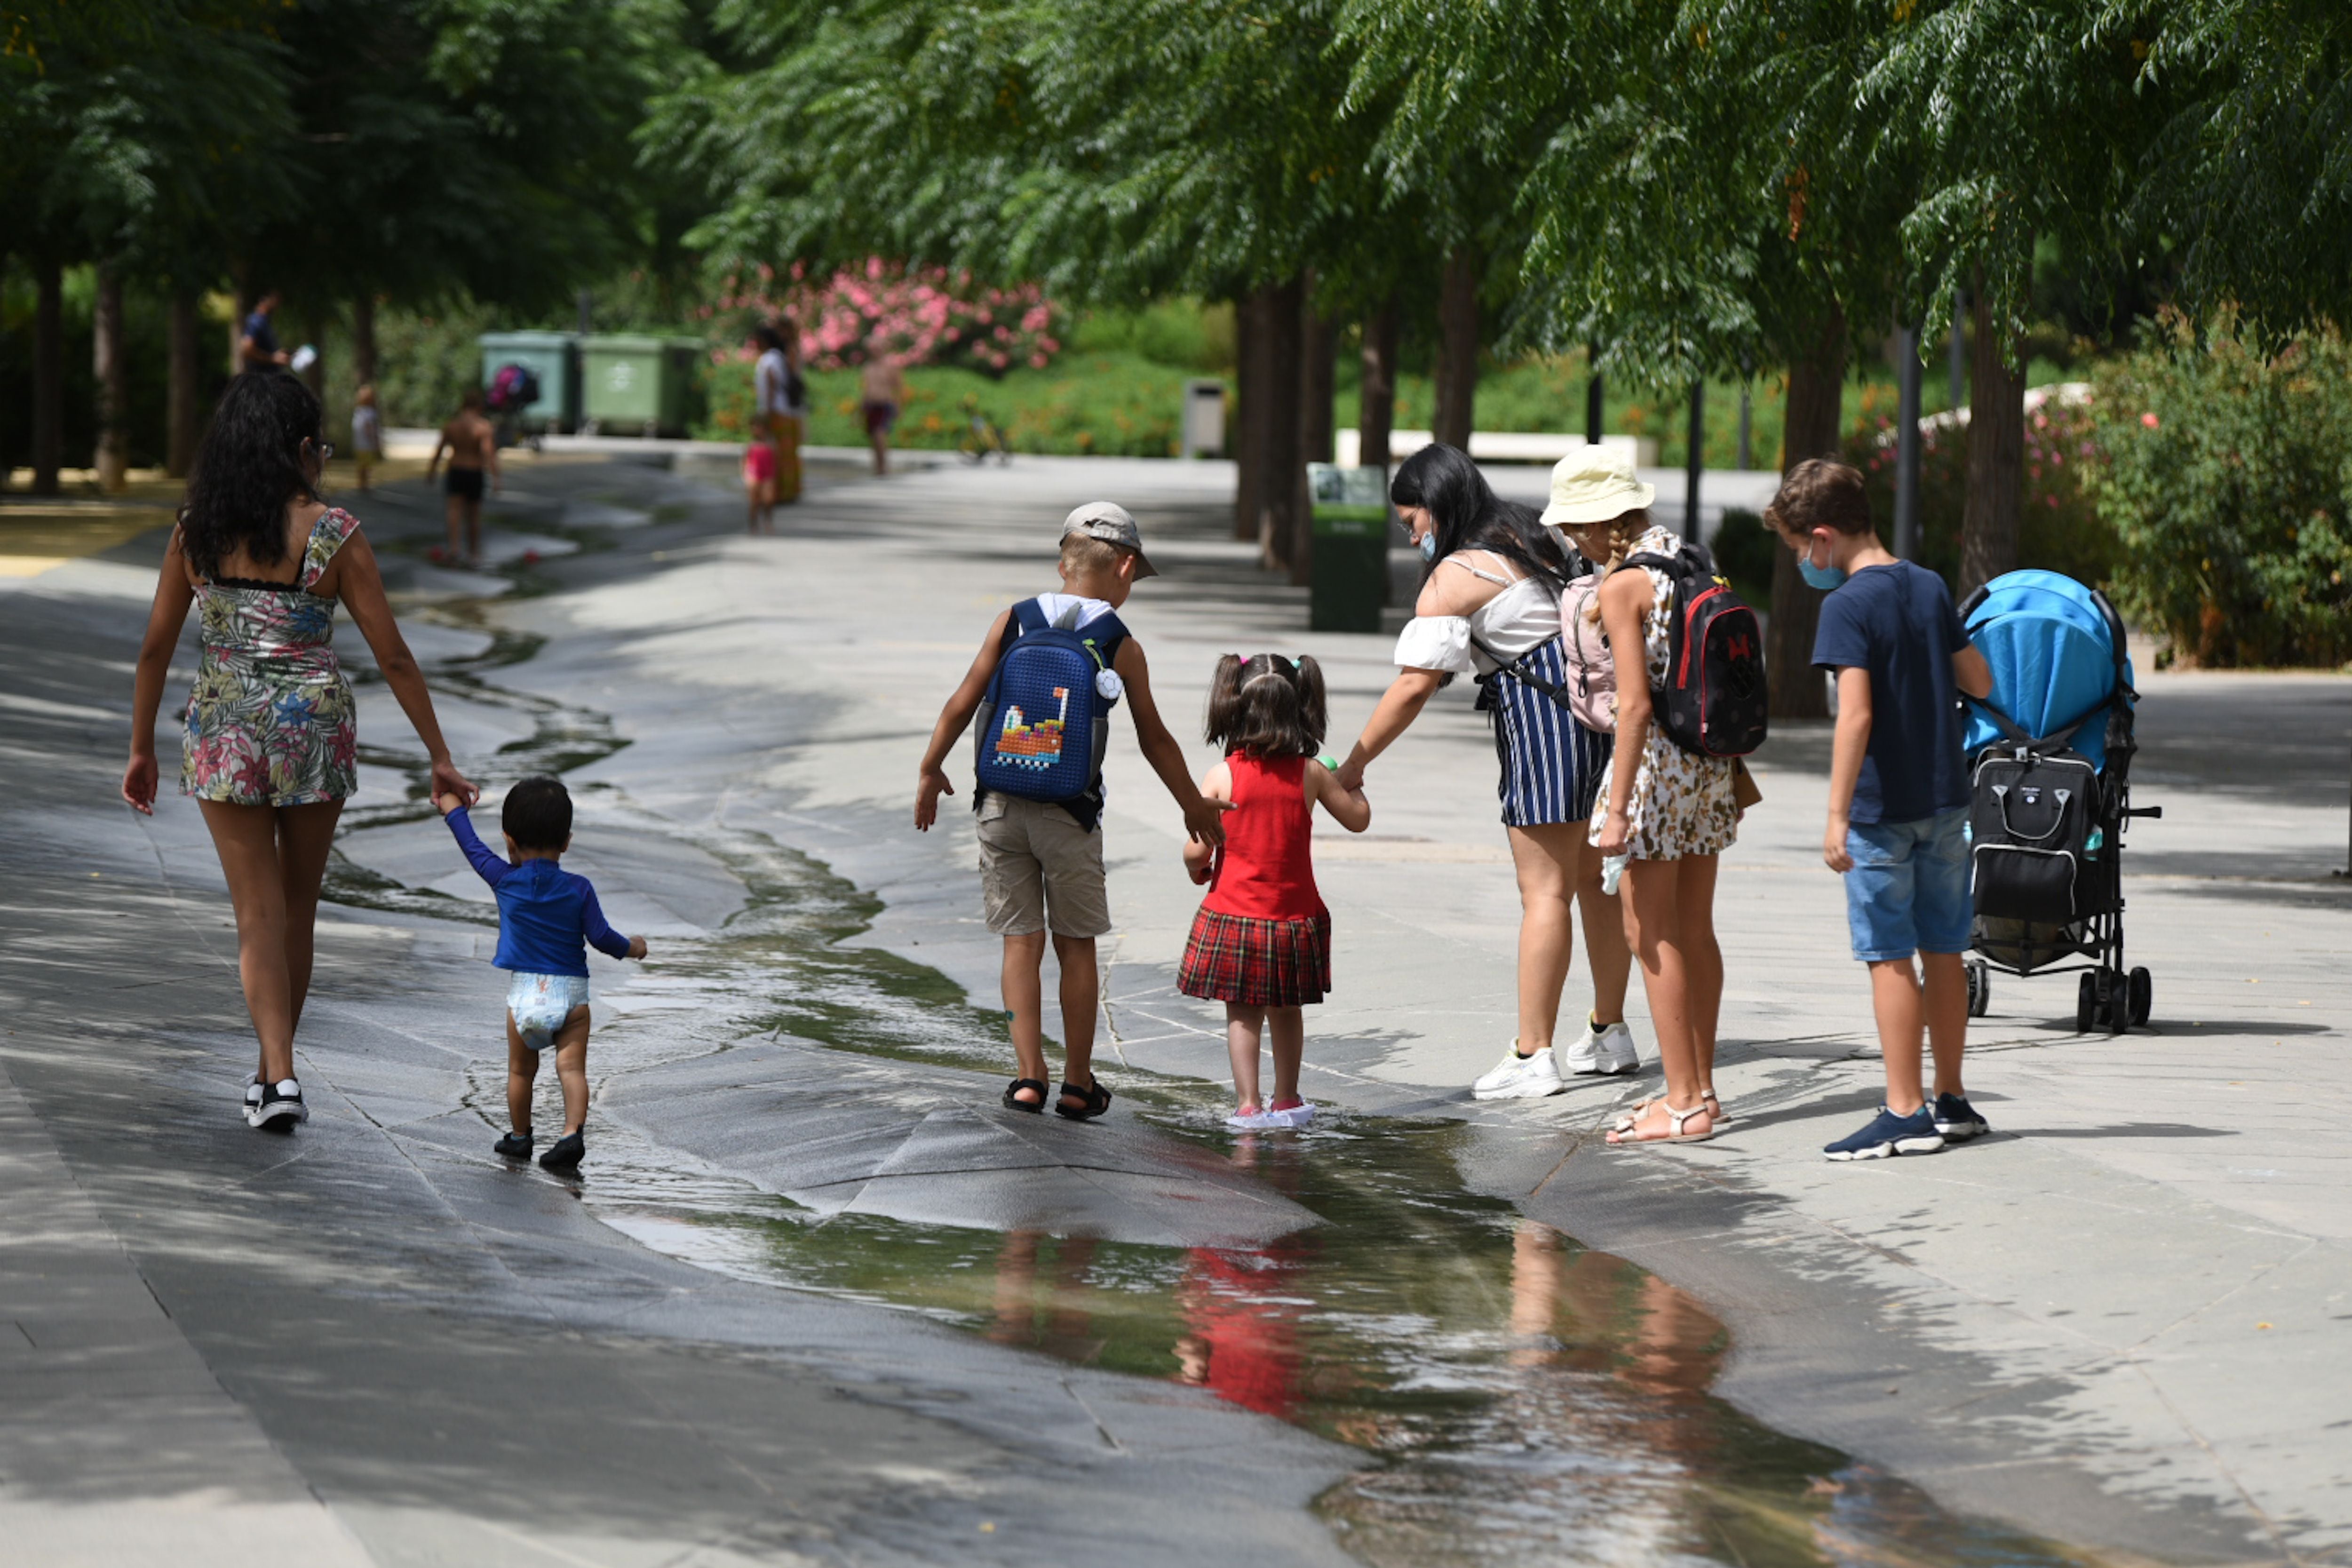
[{"x": 2051, "y": 644}]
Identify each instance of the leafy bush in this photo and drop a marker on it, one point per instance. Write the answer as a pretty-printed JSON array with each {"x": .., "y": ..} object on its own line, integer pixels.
[
  {"x": 919, "y": 316},
  {"x": 1182, "y": 332},
  {"x": 2229, "y": 481},
  {"x": 1744, "y": 547}
]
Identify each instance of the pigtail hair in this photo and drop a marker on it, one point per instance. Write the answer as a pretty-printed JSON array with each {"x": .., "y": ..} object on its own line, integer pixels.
[
  {"x": 1623, "y": 533},
  {"x": 1313, "y": 710},
  {"x": 1267, "y": 706},
  {"x": 1224, "y": 717}
]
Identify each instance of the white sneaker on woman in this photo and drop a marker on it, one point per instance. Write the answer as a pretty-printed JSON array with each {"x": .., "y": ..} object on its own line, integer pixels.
[
  {"x": 1520, "y": 1077},
  {"x": 1607, "y": 1051}
]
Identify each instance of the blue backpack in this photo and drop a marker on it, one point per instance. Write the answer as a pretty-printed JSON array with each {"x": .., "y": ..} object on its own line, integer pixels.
[{"x": 1045, "y": 723}]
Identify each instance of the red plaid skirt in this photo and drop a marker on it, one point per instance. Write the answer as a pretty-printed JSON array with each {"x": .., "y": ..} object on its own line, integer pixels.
[{"x": 1254, "y": 962}]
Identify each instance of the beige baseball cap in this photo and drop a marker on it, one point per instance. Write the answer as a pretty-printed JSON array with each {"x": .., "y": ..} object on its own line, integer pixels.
[
  {"x": 1113, "y": 524},
  {"x": 1595, "y": 484}
]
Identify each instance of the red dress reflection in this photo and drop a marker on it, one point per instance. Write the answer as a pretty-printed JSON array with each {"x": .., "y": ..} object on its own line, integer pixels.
[{"x": 1245, "y": 1323}]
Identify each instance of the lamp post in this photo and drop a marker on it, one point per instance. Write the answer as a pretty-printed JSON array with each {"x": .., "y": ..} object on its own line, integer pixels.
[
  {"x": 1907, "y": 446},
  {"x": 1694, "y": 462}
]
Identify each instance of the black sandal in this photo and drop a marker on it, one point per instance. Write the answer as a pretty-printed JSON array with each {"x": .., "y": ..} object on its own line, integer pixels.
[
  {"x": 1012, "y": 1100},
  {"x": 1097, "y": 1097}
]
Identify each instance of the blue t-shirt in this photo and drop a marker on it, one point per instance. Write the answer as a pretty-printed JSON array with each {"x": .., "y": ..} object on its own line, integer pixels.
[
  {"x": 1898, "y": 622},
  {"x": 264, "y": 336},
  {"x": 546, "y": 914}
]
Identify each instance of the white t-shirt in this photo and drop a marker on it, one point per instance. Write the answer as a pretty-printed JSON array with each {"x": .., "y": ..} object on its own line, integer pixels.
[
  {"x": 1082, "y": 612},
  {"x": 367, "y": 430},
  {"x": 771, "y": 380}
]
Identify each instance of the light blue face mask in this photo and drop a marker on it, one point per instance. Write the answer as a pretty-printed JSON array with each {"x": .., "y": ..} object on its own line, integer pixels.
[
  {"x": 1429, "y": 546},
  {"x": 1822, "y": 577}
]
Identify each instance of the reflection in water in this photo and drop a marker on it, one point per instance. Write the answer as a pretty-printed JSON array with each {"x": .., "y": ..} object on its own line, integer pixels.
[{"x": 1525, "y": 1399}]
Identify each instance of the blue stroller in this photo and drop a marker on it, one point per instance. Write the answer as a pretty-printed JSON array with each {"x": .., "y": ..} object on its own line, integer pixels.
[{"x": 2049, "y": 757}]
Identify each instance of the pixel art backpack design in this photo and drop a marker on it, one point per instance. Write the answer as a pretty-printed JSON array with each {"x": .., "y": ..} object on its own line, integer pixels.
[
  {"x": 1712, "y": 702},
  {"x": 1046, "y": 718}
]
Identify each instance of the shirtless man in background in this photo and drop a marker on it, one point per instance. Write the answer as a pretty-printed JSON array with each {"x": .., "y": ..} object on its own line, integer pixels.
[
  {"x": 883, "y": 389},
  {"x": 473, "y": 446}
]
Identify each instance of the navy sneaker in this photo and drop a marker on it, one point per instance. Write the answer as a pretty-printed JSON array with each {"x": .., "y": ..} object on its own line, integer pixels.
[
  {"x": 1888, "y": 1135},
  {"x": 566, "y": 1154},
  {"x": 514, "y": 1146},
  {"x": 279, "y": 1107},
  {"x": 1955, "y": 1118}
]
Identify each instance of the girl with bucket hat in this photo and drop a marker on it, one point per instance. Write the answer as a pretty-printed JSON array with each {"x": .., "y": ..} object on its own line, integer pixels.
[
  {"x": 1489, "y": 606},
  {"x": 1668, "y": 812}
]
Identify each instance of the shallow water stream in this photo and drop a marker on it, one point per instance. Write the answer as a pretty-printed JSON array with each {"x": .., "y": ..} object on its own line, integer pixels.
[{"x": 1523, "y": 1399}]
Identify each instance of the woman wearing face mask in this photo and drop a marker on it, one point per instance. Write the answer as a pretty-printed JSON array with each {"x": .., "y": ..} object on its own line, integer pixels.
[
  {"x": 272, "y": 745},
  {"x": 1490, "y": 598},
  {"x": 1669, "y": 813}
]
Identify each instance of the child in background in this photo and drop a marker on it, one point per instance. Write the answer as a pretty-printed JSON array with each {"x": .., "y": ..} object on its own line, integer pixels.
[
  {"x": 367, "y": 433},
  {"x": 546, "y": 917},
  {"x": 1261, "y": 942},
  {"x": 760, "y": 483}
]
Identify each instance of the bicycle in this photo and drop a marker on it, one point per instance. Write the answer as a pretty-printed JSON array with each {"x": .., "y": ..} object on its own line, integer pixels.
[{"x": 982, "y": 437}]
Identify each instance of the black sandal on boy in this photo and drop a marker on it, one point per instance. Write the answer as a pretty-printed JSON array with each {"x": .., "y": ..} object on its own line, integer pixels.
[
  {"x": 1097, "y": 1097},
  {"x": 1012, "y": 1100}
]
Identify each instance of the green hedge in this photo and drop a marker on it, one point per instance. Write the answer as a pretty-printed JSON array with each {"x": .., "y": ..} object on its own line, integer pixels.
[{"x": 2229, "y": 481}]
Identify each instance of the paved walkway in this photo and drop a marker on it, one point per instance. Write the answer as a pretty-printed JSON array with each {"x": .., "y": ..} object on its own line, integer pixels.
[{"x": 2119, "y": 1323}]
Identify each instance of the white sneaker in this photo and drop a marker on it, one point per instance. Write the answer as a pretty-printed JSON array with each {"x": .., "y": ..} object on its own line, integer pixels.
[
  {"x": 1259, "y": 1121},
  {"x": 1520, "y": 1078},
  {"x": 1607, "y": 1052},
  {"x": 1297, "y": 1115}
]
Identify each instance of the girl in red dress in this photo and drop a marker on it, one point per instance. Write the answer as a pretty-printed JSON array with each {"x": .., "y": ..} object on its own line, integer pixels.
[{"x": 1261, "y": 942}]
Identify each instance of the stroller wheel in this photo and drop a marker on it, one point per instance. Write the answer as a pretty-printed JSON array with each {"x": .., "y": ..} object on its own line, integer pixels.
[
  {"x": 2142, "y": 992},
  {"x": 2086, "y": 1004},
  {"x": 1979, "y": 974}
]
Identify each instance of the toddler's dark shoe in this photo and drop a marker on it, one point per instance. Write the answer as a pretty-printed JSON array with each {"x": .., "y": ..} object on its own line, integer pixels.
[
  {"x": 566, "y": 1154},
  {"x": 514, "y": 1146}
]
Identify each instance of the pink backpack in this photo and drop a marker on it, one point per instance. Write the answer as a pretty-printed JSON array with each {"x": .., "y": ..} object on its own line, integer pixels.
[{"x": 1591, "y": 684}]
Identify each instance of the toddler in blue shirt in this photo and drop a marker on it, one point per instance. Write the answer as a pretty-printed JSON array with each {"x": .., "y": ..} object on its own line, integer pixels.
[{"x": 547, "y": 916}]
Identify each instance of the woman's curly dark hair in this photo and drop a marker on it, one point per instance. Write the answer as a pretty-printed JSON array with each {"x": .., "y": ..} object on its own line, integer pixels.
[
  {"x": 248, "y": 471},
  {"x": 1267, "y": 706}
]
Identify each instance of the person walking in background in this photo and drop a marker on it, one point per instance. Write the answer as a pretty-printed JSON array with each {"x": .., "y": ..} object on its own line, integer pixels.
[
  {"x": 1262, "y": 941},
  {"x": 882, "y": 388},
  {"x": 1670, "y": 813},
  {"x": 472, "y": 443},
  {"x": 272, "y": 748},
  {"x": 256, "y": 345},
  {"x": 781, "y": 405},
  {"x": 1898, "y": 794},
  {"x": 367, "y": 435},
  {"x": 1489, "y": 603}
]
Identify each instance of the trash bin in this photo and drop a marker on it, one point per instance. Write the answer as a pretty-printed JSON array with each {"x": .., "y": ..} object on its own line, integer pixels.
[
  {"x": 1205, "y": 419},
  {"x": 554, "y": 359},
  {"x": 1351, "y": 580},
  {"x": 638, "y": 384}
]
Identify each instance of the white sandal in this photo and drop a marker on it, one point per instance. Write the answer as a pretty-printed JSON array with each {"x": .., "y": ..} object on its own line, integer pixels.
[
  {"x": 1674, "y": 1132},
  {"x": 1722, "y": 1117}
]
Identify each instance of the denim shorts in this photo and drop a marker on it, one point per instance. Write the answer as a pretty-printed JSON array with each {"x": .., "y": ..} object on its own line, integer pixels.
[{"x": 1909, "y": 890}]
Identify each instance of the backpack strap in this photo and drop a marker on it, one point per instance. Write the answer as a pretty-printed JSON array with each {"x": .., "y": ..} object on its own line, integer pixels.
[{"x": 2041, "y": 745}]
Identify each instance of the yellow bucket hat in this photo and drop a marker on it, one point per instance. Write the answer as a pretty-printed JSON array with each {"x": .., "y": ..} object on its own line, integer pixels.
[{"x": 1595, "y": 484}]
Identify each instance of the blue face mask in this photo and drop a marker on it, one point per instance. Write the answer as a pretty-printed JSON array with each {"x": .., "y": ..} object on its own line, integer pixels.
[
  {"x": 1429, "y": 547},
  {"x": 1822, "y": 577}
]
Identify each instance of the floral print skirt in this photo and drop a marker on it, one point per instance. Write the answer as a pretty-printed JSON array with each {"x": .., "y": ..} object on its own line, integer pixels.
[
  {"x": 1682, "y": 805},
  {"x": 252, "y": 742}
]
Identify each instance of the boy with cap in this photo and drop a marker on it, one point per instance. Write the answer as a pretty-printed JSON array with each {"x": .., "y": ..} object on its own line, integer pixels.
[{"x": 1041, "y": 863}]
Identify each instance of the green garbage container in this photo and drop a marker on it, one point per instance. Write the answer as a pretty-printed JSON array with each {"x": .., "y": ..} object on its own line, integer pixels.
[
  {"x": 1351, "y": 579},
  {"x": 639, "y": 384},
  {"x": 554, "y": 358}
]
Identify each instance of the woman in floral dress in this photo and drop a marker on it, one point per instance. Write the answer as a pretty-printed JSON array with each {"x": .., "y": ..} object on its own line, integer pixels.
[
  {"x": 271, "y": 748},
  {"x": 1670, "y": 813}
]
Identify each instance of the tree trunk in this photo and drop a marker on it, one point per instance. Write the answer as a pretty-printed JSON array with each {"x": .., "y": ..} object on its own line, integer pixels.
[
  {"x": 1458, "y": 349},
  {"x": 1996, "y": 499},
  {"x": 48, "y": 376},
  {"x": 363, "y": 339},
  {"x": 185, "y": 386},
  {"x": 1317, "y": 348},
  {"x": 1252, "y": 379},
  {"x": 110, "y": 372},
  {"x": 1809, "y": 430},
  {"x": 1282, "y": 518},
  {"x": 1376, "y": 407},
  {"x": 315, "y": 324},
  {"x": 1595, "y": 397}
]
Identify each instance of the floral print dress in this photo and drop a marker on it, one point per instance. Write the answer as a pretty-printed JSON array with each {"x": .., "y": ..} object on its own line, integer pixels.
[
  {"x": 270, "y": 721},
  {"x": 1682, "y": 803}
]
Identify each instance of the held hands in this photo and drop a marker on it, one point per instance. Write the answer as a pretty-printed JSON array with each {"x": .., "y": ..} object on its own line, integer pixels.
[
  {"x": 1205, "y": 820},
  {"x": 1834, "y": 853},
  {"x": 139, "y": 782},
  {"x": 934, "y": 784},
  {"x": 636, "y": 947},
  {"x": 1351, "y": 777},
  {"x": 447, "y": 780}
]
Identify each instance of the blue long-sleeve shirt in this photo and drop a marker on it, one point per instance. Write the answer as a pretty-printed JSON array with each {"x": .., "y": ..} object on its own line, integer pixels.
[{"x": 545, "y": 912}]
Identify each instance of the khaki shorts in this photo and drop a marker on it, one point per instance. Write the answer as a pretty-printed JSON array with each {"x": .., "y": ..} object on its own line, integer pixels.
[{"x": 1040, "y": 870}]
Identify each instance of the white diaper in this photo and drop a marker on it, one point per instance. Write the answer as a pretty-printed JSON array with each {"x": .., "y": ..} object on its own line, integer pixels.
[{"x": 541, "y": 1002}]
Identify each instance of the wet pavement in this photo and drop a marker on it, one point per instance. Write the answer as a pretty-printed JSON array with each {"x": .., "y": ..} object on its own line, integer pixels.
[{"x": 808, "y": 1243}]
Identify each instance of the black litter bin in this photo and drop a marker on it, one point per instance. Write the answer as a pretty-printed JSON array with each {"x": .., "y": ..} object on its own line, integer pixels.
[{"x": 1350, "y": 584}]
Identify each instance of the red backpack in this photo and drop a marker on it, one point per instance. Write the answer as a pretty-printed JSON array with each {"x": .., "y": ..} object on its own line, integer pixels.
[{"x": 1712, "y": 702}]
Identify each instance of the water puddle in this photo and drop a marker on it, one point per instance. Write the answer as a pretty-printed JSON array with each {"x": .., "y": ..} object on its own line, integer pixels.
[{"x": 1522, "y": 1398}]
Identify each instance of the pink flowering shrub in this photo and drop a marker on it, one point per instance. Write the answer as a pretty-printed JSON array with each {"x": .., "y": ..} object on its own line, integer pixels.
[{"x": 910, "y": 316}]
